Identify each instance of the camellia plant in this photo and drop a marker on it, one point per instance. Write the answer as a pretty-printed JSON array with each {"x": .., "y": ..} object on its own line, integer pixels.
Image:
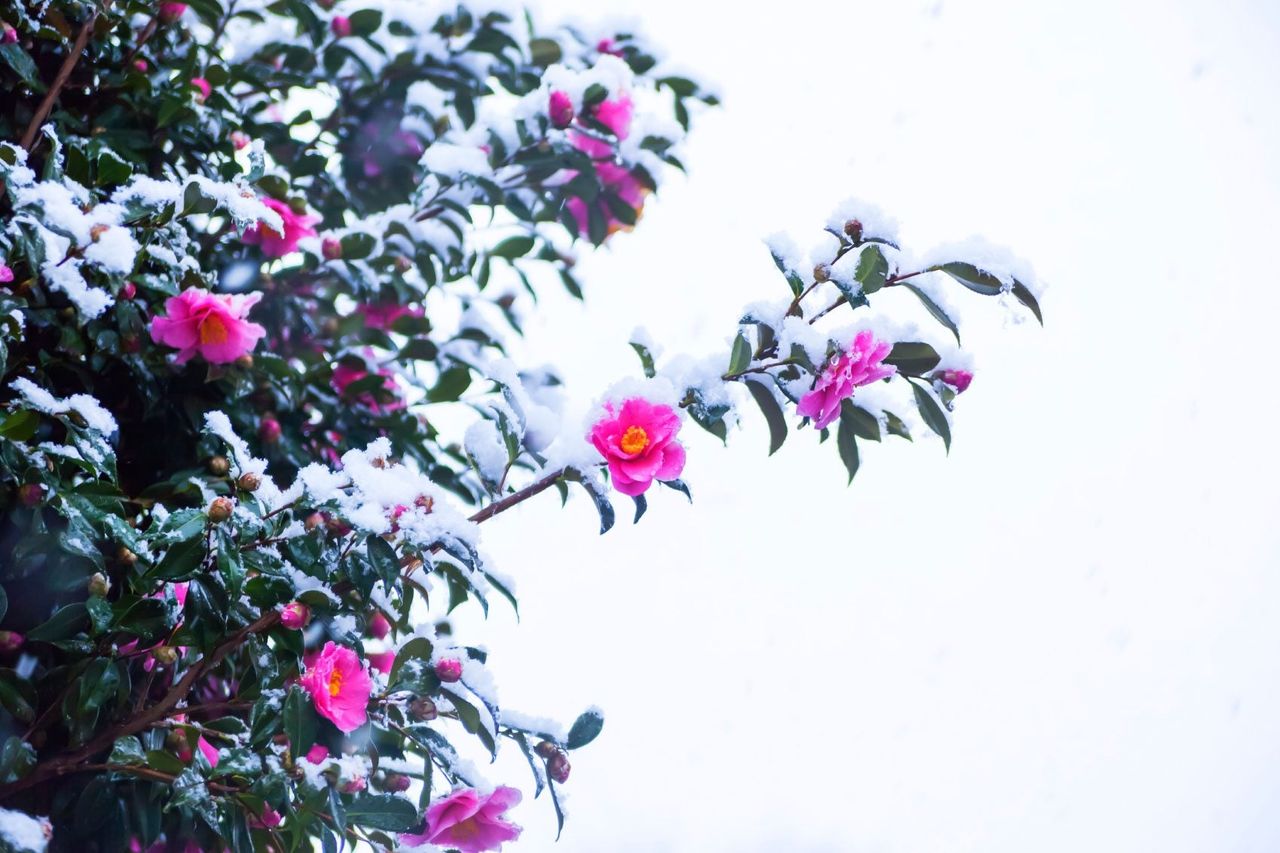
[{"x": 259, "y": 267}]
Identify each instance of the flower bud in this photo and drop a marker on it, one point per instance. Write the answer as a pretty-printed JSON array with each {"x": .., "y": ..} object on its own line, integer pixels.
[
  {"x": 853, "y": 228},
  {"x": 396, "y": 783},
  {"x": 140, "y": 65},
  {"x": 449, "y": 670},
  {"x": 330, "y": 327},
  {"x": 295, "y": 615},
  {"x": 219, "y": 466},
  {"x": 269, "y": 430},
  {"x": 546, "y": 749},
  {"x": 239, "y": 140},
  {"x": 560, "y": 109},
  {"x": 6, "y": 271},
  {"x": 99, "y": 585},
  {"x": 340, "y": 26},
  {"x": 10, "y": 642},
  {"x": 331, "y": 248},
  {"x": 220, "y": 510},
  {"x": 313, "y": 521},
  {"x": 31, "y": 494},
  {"x": 8, "y": 35},
  {"x": 170, "y": 12},
  {"x": 957, "y": 379},
  {"x": 424, "y": 502},
  {"x": 125, "y": 556},
  {"x": 203, "y": 89},
  {"x": 249, "y": 481},
  {"x": 318, "y": 753},
  {"x": 821, "y": 273},
  {"x": 422, "y": 709},
  {"x": 354, "y": 785},
  {"x": 244, "y": 362},
  {"x": 96, "y": 231},
  {"x": 403, "y": 264},
  {"x": 558, "y": 767},
  {"x": 128, "y": 290},
  {"x": 379, "y": 627},
  {"x": 165, "y": 655}
]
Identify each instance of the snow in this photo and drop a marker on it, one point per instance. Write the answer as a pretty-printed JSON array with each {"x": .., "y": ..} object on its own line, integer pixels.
[
  {"x": 986, "y": 256},
  {"x": 487, "y": 450},
  {"x": 875, "y": 222},
  {"x": 97, "y": 418},
  {"x": 21, "y": 832}
]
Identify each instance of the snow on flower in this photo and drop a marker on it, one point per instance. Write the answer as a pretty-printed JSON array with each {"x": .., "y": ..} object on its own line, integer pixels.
[
  {"x": 278, "y": 242},
  {"x": 212, "y": 325},
  {"x": 469, "y": 821},
  {"x": 860, "y": 364},
  {"x": 638, "y": 442},
  {"x": 339, "y": 686}
]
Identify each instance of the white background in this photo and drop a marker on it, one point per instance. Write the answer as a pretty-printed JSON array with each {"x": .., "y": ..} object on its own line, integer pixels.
[{"x": 1063, "y": 637}]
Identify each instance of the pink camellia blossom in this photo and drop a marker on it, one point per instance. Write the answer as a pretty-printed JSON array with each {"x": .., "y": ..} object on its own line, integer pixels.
[
  {"x": 6, "y": 273},
  {"x": 449, "y": 670},
  {"x": 128, "y": 290},
  {"x": 140, "y": 65},
  {"x": 208, "y": 750},
  {"x": 276, "y": 244},
  {"x": 340, "y": 26},
  {"x": 210, "y": 324},
  {"x": 8, "y": 35},
  {"x": 638, "y": 442},
  {"x": 860, "y": 364},
  {"x": 269, "y": 819},
  {"x": 383, "y": 315},
  {"x": 331, "y": 248},
  {"x": 170, "y": 12},
  {"x": 379, "y": 625},
  {"x": 560, "y": 109},
  {"x": 318, "y": 753},
  {"x": 270, "y": 430},
  {"x": 239, "y": 140},
  {"x": 352, "y": 786},
  {"x": 957, "y": 379},
  {"x": 615, "y": 114},
  {"x": 608, "y": 46},
  {"x": 203, "y": 87},
  {"x": 469, "y": 821},
  {"x": 382, "y": 661},
  {"x": 10, "y": 642},
  {"x": 345, "y": 374},
  {"x": 295, "y": 615},
  {"x": 339, "y": 686}
]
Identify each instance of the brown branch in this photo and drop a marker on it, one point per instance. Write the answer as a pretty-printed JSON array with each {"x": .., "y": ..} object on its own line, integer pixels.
[{"x": 42, "y": 112}]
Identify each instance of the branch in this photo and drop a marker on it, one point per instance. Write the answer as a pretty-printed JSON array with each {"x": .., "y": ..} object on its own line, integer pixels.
[{"x": 42, "y": 112}]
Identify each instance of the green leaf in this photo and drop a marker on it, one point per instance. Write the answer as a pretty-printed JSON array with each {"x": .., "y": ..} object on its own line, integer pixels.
[
  {"x": 365, "y": 22},
  {"x": 382, "y": 811},
  {"x": 180, "y": 561},
  {"x": 934, "y": 309},
  {"x": 67, "y": 622},
  {"x": 603, "y": 506},
  {"x": 585, "y": 729},
  {"x": 20, "y": 425},
  {"x": 357, "y": 245},
  {"x": 865, "y": 425},
  {"x": 513, "y": 247},
  {"x": 772, "y": 411},
  {"x": 896, "y": 426},
  {"x": 300, "y": 721},
  {"x": 847, "y": 443},
  {"x": 451, "y": 384},
  {"x": 933, "y": 415},
  {"x": 1027, "y": 298},
  {"x": 383, "y": 559},
  {"x": 127, "y": 750},
  {"x": 646, "y": 358},
  {"x": 913, "y": 358},
  {"x": 20, "y": 61},
  {"x": 979, "y": 281},
  {"x": 872, "y": 269},
  {"x": 112, "y": 170},
  {"x": 16, "y": 759},
  {"x": 641, "y": 506},
  {"x": 740, "y": 359},
  {"x": 469, "y": 716}
]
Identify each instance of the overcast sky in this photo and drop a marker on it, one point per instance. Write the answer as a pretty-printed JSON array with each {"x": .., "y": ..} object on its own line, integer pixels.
[{"x": 1063, "y": 637}]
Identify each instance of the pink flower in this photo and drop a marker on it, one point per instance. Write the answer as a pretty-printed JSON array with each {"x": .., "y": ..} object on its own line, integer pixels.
[
  {"x": 638, "y": 441},
  {"x": 10, "y": 642},
  {"x": 957, "y": 379},
  {"x": 339, "y": 686},
  {"x": 269, "y": 819},
  {"x": 212, "y": 325},
  {"x": 340, "y": 25},
  {"x": 208, "y": 751},
  {"x": 379, "y": 625},
  {"x": 140, "y": 65},
  {"x": 331, "y": 248},
  {"x": 276, "y": 244},
  {"x": 170, "y": 12},
  {"x": 382, "y": 661},
  {"x": 269, "y": 430},
  {"x": 560, "y": 109},
  {"x": 449, "y": 670},
  {"x": 383, "y": 315},
  {"x": 202, "y": 85},
  {"x": 608, "y": 46},
  {"x": 239, "y": 140},
  {"x": 615, "y": 114},
  {"x": 860, "y": 364},
  {"x": 469, "y": 821},
  {"x": 6, "y": 273},
  {"x": 295, "y": 615},
  {"x": 318, "y": 753},
  {"x": 8, "y": 35},
  {"x": 344, "y": 375}
]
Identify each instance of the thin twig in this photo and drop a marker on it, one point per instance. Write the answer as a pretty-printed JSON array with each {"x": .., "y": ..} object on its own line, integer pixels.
[{"x": 42, "y": 112}]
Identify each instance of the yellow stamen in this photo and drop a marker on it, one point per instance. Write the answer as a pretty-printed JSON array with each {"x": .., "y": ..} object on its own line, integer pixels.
[
  {"x": 213, "y": 331},
  {"x": 634, "y": 439},
  {"x": 335, "y": 683}
]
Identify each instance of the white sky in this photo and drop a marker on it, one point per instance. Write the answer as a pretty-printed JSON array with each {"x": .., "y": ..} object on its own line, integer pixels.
[{"x": 1064, "y": 637}]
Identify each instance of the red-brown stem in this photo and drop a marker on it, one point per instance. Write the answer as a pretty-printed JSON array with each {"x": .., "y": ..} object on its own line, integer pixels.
[{"x": 42, "y": 112}]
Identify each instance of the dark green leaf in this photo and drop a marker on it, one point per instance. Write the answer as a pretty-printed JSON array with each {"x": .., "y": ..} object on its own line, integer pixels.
[
  {"x": 913, "y": 358},
  {"x": 772, "y": 411},
  {"x": 934, "y": 309},
  {"x": 933, "y": 415},
  {"x": 585, "y": 729}
]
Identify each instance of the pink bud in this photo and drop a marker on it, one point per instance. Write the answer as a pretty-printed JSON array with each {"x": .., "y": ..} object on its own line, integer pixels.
[
  {"x": 357, "y": 784},
  {"x": 239, "y": 140},
  {"x": 331, "y": 248},
  {"x": 140, "y": 65},
  {"x": 560, "y": 109},
  {"x": 6, "y": 274},
  {"x": 269, "y": 430},
  {"x": 558, "y": 767},
  {"x": 957, "y": 379},
  {"x": 10, "y": 642},
  {"x": 170, "y": 12},
  {"x": 382, "y": 661},
  {"x": 449, "y": 670},
  {"x": 396, "y": 783},
  {"x": 341, "y": 26},
  {"x": 203, "y": 87},
  {"x": 269, "y": 819},
  {"x": 317, "y": 753},
  {"x": 608, "y": 46},
  {"x": 295, "y": 615},
  {"x": 32, "y": 494},
  {"x": 8, "y": 35},
  {"x": 379, "y": 626},
  {"x": 128, "y": 290}
]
